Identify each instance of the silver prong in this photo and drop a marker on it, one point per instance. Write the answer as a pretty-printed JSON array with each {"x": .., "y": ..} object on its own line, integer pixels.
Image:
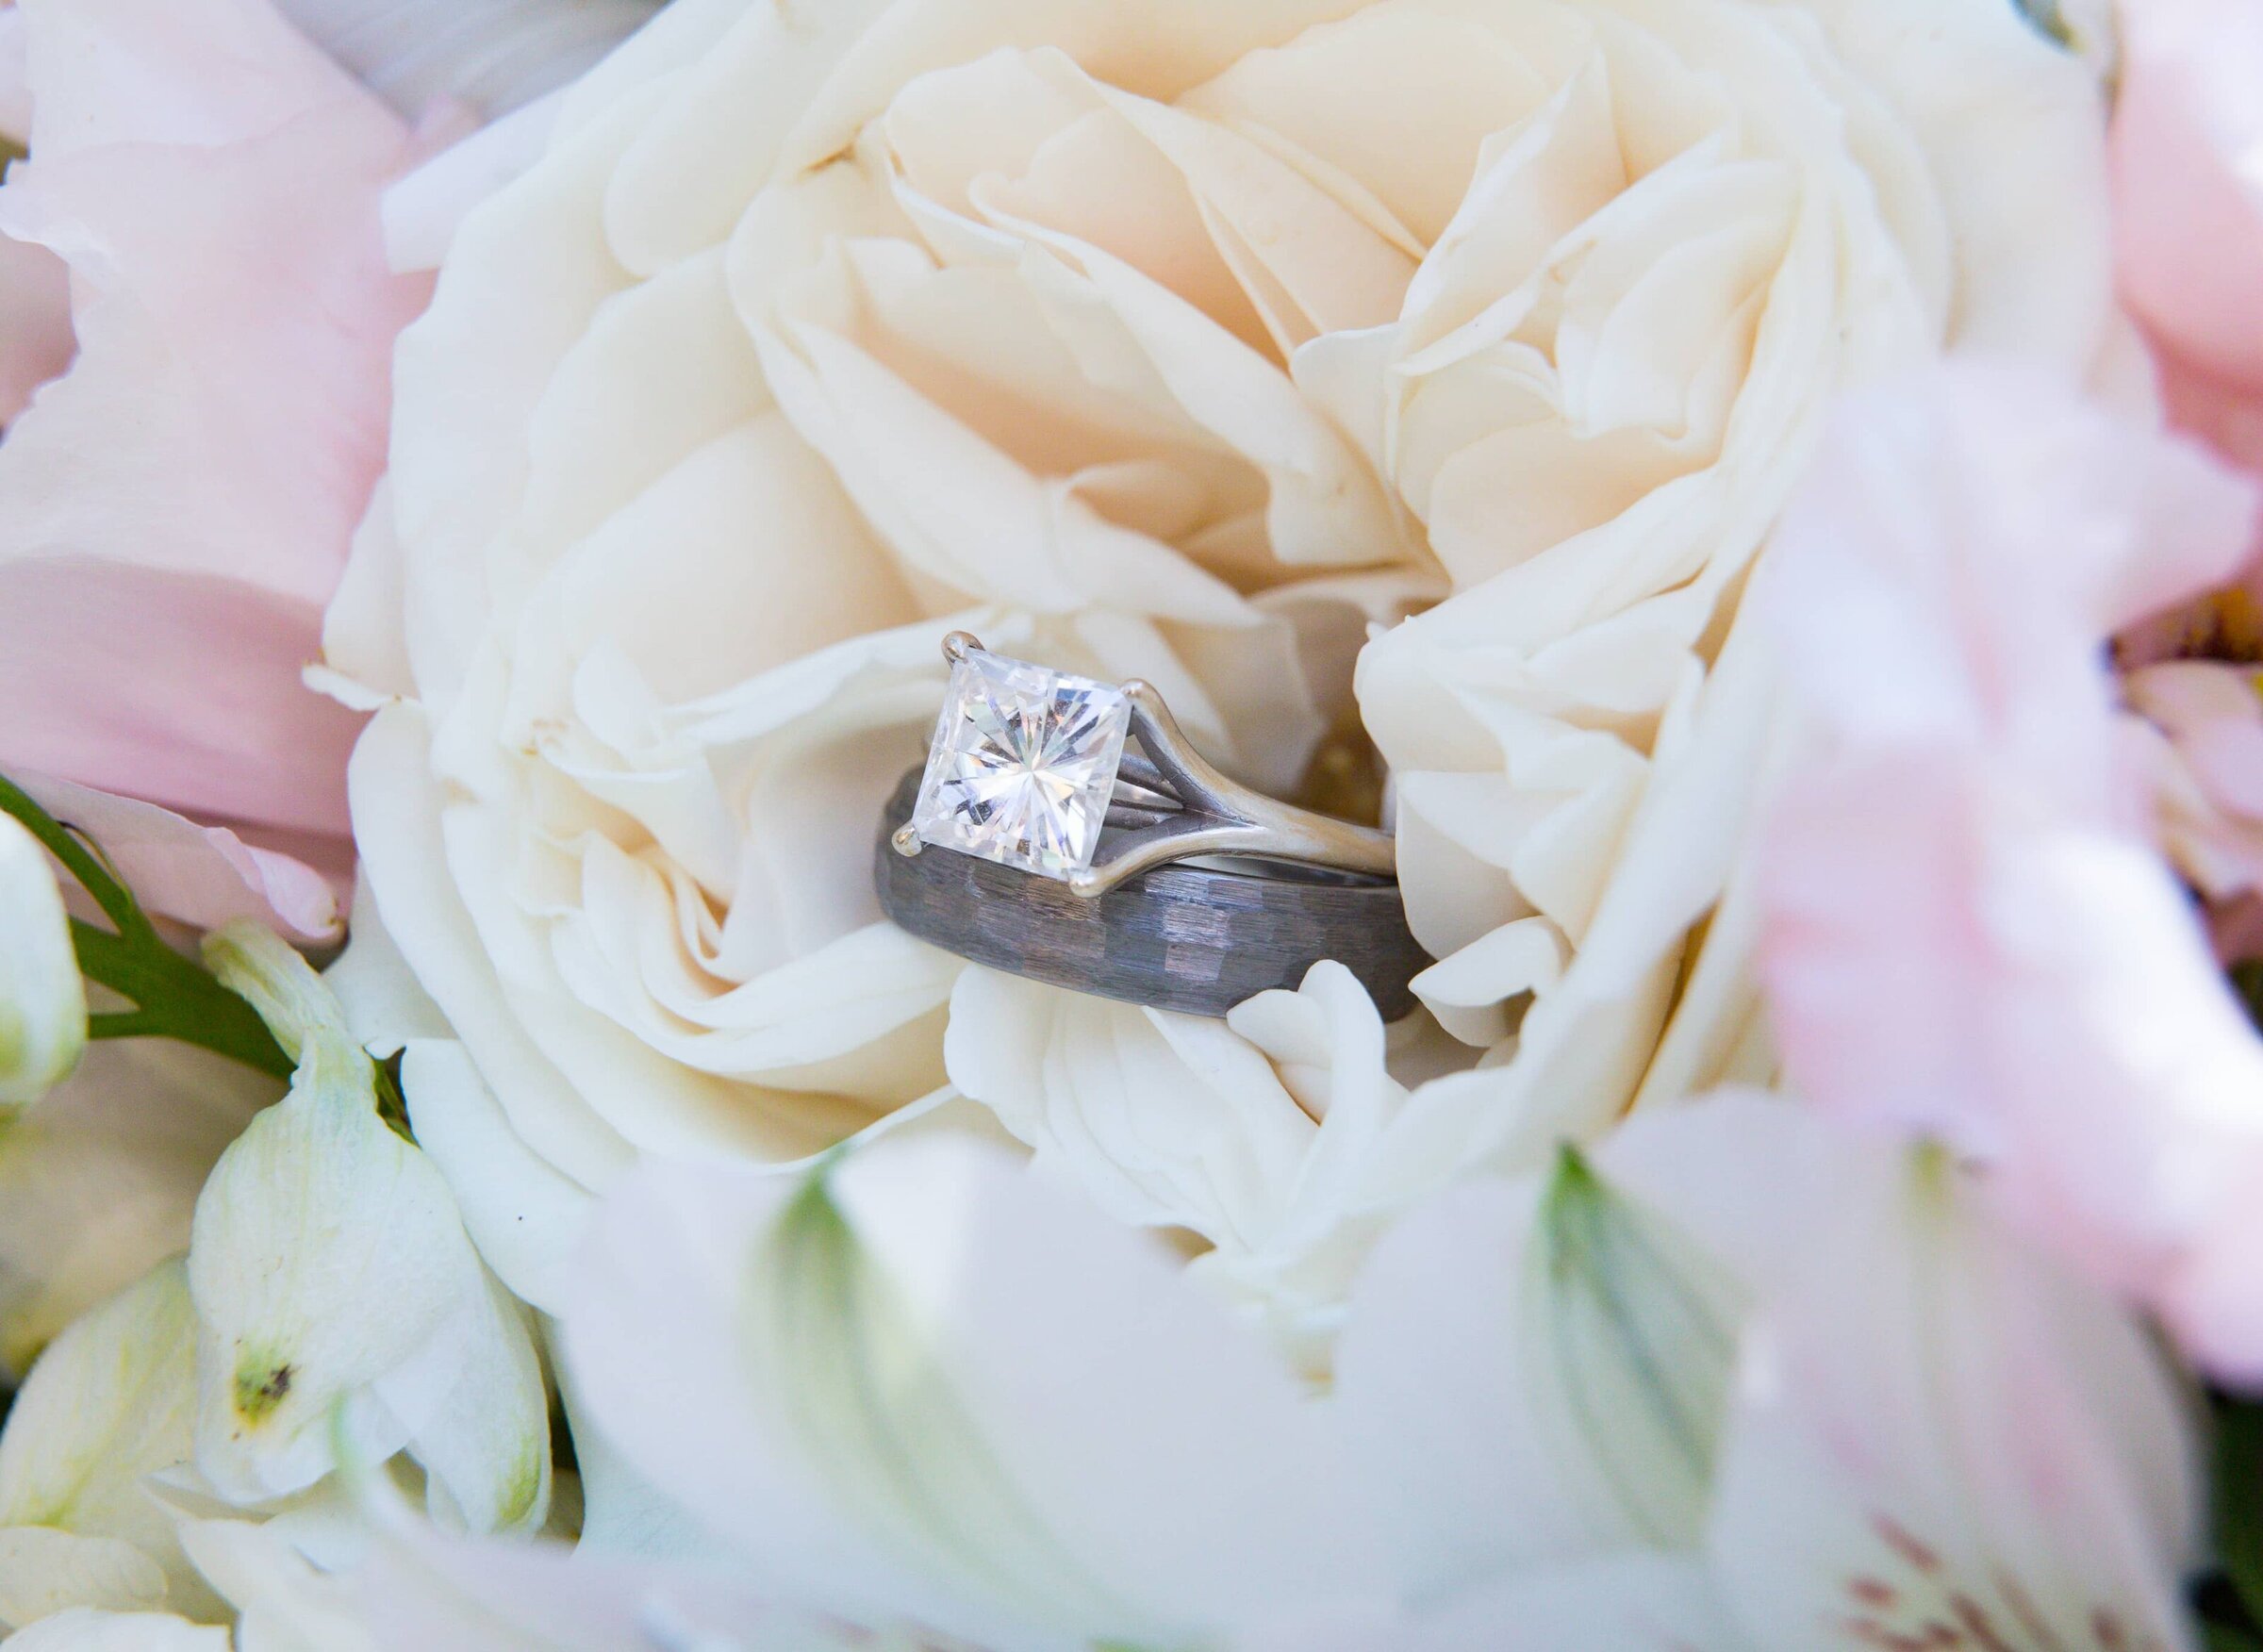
[
  {"x": 1136, "y": 771},
  {"x": 905, "y": 841},
  {"x": 1141, "y": 797},
  {"x": 959, "y": 644},
  {"x": 1132, "y": 818}
]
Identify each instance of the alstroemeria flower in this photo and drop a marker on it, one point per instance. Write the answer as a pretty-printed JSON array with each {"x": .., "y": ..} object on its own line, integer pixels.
[
  {"x": 1972, "y": 930},
  {"x": 1746, "y": 1383}
]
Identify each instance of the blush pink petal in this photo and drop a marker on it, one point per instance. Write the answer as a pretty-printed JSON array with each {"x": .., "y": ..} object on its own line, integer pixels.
[
  {"x": 202, "y": 876},
  {"x": 175, "y": 509},
  {"x": 2187, "y": 159},
  {"x": 36, "y": 341},
  {"x": 1970, "y": 933}
]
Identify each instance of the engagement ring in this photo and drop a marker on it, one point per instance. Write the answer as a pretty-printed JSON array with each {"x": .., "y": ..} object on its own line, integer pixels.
[{"x": 1146, "y": 876}]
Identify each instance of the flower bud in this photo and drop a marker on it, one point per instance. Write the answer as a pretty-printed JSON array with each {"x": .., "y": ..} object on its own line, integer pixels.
[{"x": 43, "y": 1000}]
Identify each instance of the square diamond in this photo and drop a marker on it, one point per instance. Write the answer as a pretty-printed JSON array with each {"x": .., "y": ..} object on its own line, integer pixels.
[{"x": 1023, "y": 762}]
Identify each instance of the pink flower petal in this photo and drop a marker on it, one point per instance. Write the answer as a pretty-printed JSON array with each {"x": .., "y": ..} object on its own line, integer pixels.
[
  {"x": 1970, "y": 931},
  {"x": 175, "y": 509},
  {"x": 36, "y": 341},
  {"x": 202, "y": 876},
  {"x": 2187, "y": 159}
]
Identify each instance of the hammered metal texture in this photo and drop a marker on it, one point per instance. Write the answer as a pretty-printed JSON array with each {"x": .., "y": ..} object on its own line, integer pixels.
[{"x": 1179, "y": 937}]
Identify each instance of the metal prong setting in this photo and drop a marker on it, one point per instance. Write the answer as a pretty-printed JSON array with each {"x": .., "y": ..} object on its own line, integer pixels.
[
  {"x": 1217, "y": 816},
  {"x": 1171, "y": 804}
]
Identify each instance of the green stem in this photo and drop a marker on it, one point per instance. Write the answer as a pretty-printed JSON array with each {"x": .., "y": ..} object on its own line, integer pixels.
[{"x": 173, "y": 997}]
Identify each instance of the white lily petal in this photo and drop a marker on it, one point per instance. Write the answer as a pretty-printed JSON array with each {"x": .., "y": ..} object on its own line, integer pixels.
[
  {"x": 943, "y": 1391},
  {"x": 44, "y": 1569},
  {"x": 1635, "y": 1602},
  {"x": 1434, "y": 1394},
  {"x": 493, "y": 55},
  {"x": 1564, "y": 1397},
  {"x": 486, "y": 1440},
  {"x": 87, "y": 1630},
  {"x": 283, "y": 1602},
  {"x": 322, "y": 1256},
  {"x": 624, "y": 1515},
  {"x": 43, "y": 1000},
  {"x": 328, "y": 1263},
  {"x": 108, "y": 1404},
  {"x": 409, "y": 1586},
  {"x": 1629, "y": 1339},
  {"x": 1940, "y": 1440}
]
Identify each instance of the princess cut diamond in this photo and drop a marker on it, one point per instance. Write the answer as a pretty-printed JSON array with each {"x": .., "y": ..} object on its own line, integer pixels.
[{"x": 1022, "y": 765}]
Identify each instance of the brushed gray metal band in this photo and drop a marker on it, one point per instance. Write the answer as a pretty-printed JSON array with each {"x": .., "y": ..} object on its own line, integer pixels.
[{"x": 1175, "y": 937}]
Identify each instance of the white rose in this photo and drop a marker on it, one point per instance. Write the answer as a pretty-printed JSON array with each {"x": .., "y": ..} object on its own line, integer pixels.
[{"x": 1171, "y": 339}]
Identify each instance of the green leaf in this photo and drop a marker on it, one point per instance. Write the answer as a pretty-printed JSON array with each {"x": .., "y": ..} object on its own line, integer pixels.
[
  {"x": 2228, "y": 1638},
  {"x": 2247, "y": 981},
  {"x": 2049, "y": 20},
  {"x": 2238, "y": 1495}
]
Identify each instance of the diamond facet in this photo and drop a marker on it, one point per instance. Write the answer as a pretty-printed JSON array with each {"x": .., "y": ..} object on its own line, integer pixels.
[{"x": 1022, "y": 765}]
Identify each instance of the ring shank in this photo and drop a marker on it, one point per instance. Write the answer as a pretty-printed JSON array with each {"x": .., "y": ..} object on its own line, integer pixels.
[{"x": 1177, "y": 938}]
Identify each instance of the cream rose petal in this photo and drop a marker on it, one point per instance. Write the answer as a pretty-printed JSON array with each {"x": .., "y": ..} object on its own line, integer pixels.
[
  {"x": 43, "y": 1000},
  {"x": 1534, "y": 717},
  {"x": 525, "y": 1217},
  {"x": 1267, "y": 1135}
]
